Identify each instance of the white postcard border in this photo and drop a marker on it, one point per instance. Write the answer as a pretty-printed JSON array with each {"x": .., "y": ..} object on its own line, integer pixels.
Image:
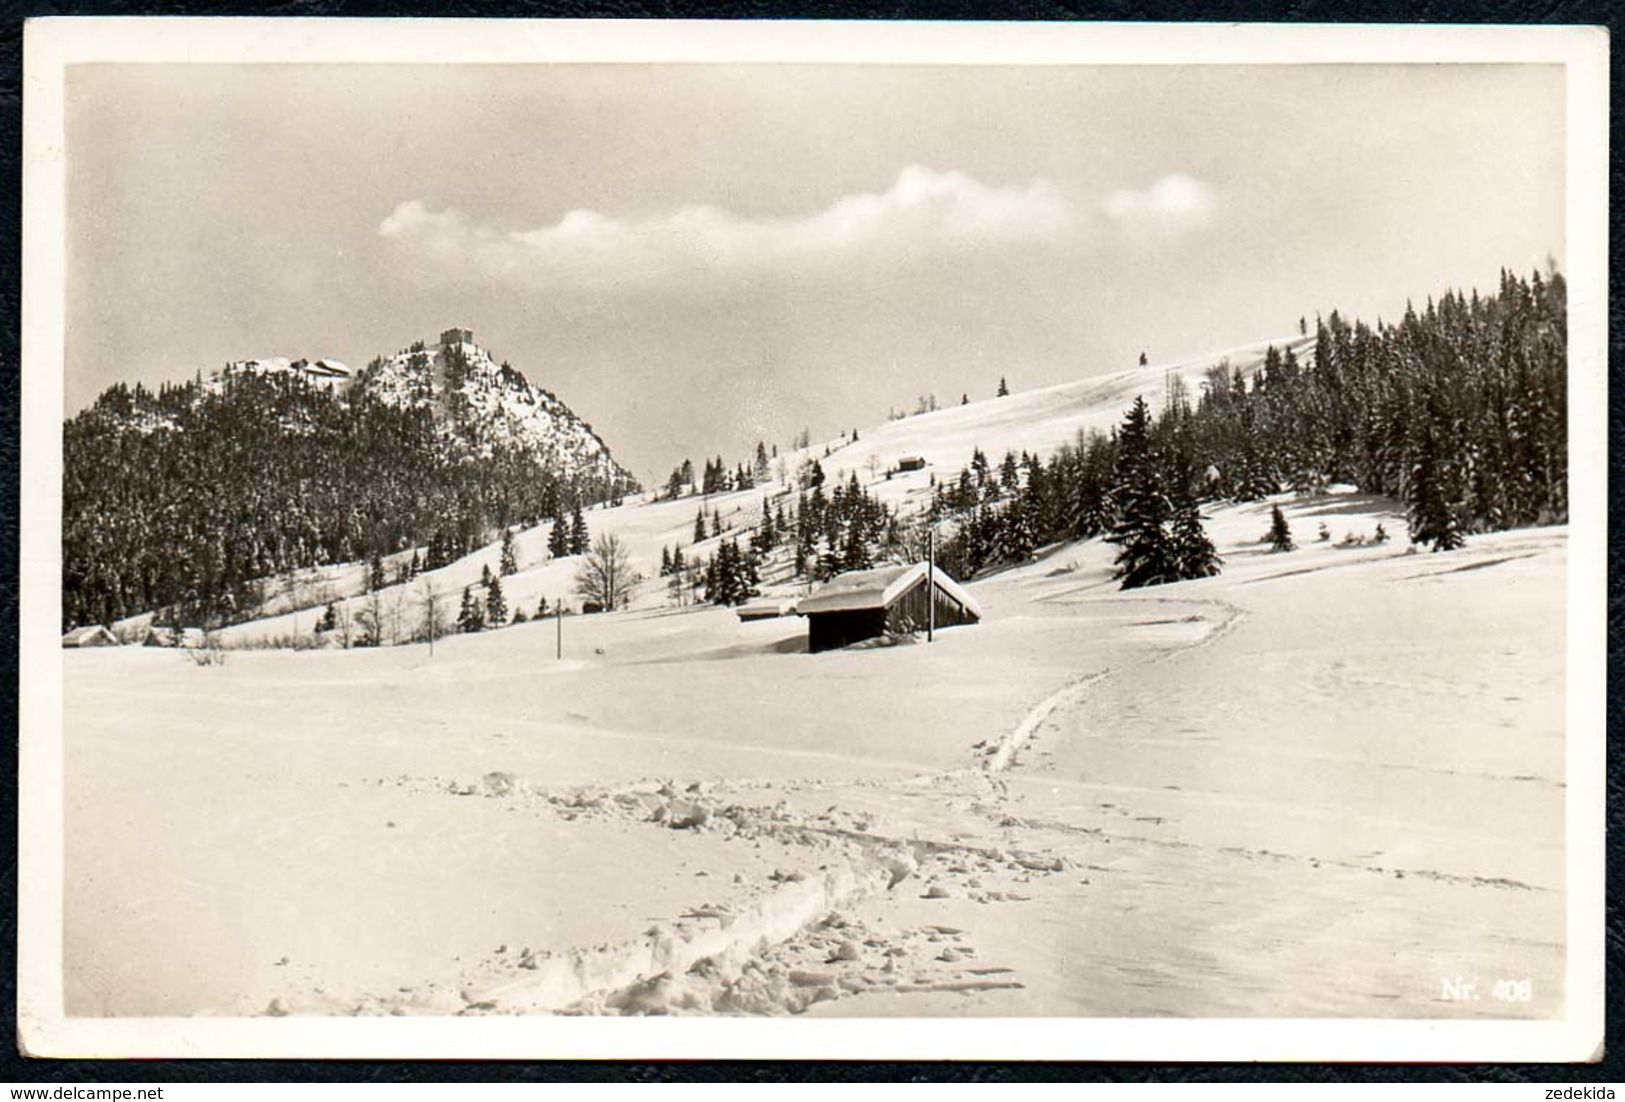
[{"x": 51, "y": 45}]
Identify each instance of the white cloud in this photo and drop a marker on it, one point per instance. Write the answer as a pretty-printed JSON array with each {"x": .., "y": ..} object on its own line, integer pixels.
[
  {"x": 1173, "y": 204},
  {"x": 924, "y": 214}
]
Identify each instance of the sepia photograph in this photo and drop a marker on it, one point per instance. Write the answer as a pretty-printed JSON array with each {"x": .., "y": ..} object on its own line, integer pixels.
[{"x": 1012, "y": 541}]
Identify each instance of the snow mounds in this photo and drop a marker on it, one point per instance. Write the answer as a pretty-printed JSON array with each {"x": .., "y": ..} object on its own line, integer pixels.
[{"x": 639, "y": 977}]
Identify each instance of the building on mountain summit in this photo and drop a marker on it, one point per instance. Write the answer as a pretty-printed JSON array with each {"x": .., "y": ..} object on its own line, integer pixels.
[
  {"x": 329, "y": 371},
  {"x": 456, "y": 336},
  {"x": 890, "y": 600}
]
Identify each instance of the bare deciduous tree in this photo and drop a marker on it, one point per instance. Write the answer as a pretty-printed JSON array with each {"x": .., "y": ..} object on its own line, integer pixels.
[
  {"x": 371, "y": 619},
  {"x": 605, "y": 577},
  {"x": 912, "y": 541},
  {"x": 395, "y": 611}
]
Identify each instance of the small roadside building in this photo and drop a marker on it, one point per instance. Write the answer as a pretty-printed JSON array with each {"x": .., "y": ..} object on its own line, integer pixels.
[
  {"x": 765, "y": 608},
  {"x": 173, "y": 637},
  {"x": 865, "y": 604},
  {"x": 93, "y": 636}
]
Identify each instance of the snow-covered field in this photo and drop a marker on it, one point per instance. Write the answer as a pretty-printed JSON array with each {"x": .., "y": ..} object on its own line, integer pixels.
[{"x": 1318, "y": 784}]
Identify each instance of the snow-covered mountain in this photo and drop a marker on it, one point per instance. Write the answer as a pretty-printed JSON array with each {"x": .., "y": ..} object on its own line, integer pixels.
[
  {"x": 491, "y": 406},
  {"x": 273, "y": 465},
  {"x": 485, "y": 408}
]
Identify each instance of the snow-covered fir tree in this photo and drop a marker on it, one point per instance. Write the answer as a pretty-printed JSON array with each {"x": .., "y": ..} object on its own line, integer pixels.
[
  {"x": 580, "y": 539},
  {"x": 496, "y": 605},
  {"x": 1434, "y": 486},
  {"x": 1194, "y": 553},
  {"x": 1280, "y": 534},
  {"x": 855, "y": 549},
  {"x": 731, "y": 576},
  {"x": 1432, "y": 519},
  {"x": 471, "y": 615},
  {"x": 1145, "y": 549}
]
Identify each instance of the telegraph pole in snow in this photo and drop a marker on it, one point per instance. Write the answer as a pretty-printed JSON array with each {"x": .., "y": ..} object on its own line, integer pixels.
[
  {"x": 558, "y": 621},
  {"x": 930, "y": 583}
]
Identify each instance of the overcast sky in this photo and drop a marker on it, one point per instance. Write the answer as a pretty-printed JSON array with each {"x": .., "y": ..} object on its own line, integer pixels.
[{"x": 696, "y": 257}]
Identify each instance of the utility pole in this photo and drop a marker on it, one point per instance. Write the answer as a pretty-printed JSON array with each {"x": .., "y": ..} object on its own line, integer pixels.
[
  {"x": 558, "y": 621},
  {"x": 930, "y": 584}
]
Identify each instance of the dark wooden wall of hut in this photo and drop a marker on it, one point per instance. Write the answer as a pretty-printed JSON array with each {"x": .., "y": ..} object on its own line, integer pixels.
[
  {"x": 908, "y": 612},
  {"x": 829, "y": 630}
]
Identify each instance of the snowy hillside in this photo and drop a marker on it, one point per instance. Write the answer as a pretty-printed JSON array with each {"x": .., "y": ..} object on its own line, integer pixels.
[{"x": 1038, "y": 421}]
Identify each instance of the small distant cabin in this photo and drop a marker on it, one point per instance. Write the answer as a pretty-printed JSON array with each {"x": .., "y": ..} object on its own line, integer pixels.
[
  {"x": 173, "y": 637},
  {"x": 766, "y": 608},
  {"x": 865, "y": 604},
  {"x": 456, "y": 336},
  {"x": 911, "y": 463},
  {"x": 325, "y": 370},
  {"x": 93, "y": 636}
]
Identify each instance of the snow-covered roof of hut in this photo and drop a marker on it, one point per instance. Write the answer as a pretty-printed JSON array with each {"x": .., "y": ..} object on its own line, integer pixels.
[
  {"x": 329, "y": 368},
  {"x": 92, "y": 635},
  {"x": 174, "y": 637},
  {"x": 878, "y": 588},
  {"x": 766, "y": 608}
]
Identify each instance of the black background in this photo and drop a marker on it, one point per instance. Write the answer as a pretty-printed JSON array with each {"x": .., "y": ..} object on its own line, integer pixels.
[{"x": 17, "y": 1068}]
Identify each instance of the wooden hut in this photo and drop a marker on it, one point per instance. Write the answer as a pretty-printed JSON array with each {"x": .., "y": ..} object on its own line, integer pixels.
[
  {"x": 173, "y": 637},
  {"x": 765, "y": 608},
  {"x": 911, "y": 463},
  {"x": 864, "y": 604},
  {"x": 93, "y": 636}
]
